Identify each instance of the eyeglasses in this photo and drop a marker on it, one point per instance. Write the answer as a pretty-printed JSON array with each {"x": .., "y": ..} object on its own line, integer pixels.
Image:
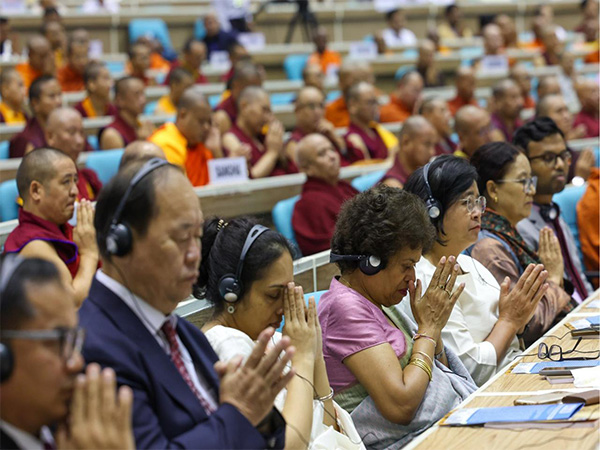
[
  {"x": 473, "y": 202},
  {"x": 529, "y": 184},
  {"x": 556, "y": 353},
  {"x": 549, "y": 158},
  {"x": 312, "y": 106},
  {"x": 70, "y": 339}
]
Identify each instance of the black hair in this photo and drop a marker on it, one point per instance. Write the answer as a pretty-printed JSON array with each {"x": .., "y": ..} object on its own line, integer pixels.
[
  {"x": 491, "y": 162},
  {"x": 15, "y": 306},
  {"x": 50, "y": 11},
  {"x": 535, "y": 130},
  {"x": 140, "y": 207},
  {"x": 449, "y": 177},
  {"x": 92, "y": 71},
  {"x": 35, "y": 90},
  {"x": 381, "y": 222},
  {"x": 177, "y": 75},
  {"x": 187, "y": 46},
  {"x": 451, "y": 7},
  {"x": 390, "y": 14},
  {"x": 3, "y": 20},
  {"x": 121, "y": 83},
  {"x": 221, "y": 250}
]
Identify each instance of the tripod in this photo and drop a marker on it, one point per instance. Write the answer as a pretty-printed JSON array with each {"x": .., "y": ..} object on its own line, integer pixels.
[{"x": 307, "y": 19}]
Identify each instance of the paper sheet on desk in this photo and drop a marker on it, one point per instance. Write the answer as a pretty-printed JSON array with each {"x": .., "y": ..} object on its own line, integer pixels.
[
  {"x": 584, "y": 323},
  {"x": 588, "y": 377},
  {"x": 594, "y": 304},
  {"x": 535, "y": 367}
]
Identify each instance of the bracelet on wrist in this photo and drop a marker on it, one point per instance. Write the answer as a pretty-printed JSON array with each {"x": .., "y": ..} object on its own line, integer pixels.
[
  {"x": 327, "y": 397},
  {"x": 439, "y": 355},
  {"x": 424, "y": 336},
  {"x": 425, "y": 355},
  {"x": 421, "y": 364}
]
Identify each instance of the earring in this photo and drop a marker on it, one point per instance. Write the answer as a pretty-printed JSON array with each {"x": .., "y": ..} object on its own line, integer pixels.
[
  {"x": 496, "y": 199},
  {"x": 231, "y": 309}
]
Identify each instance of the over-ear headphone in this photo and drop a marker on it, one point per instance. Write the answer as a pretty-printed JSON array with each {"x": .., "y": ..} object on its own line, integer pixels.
[
  {"x": 434, "y": 208},
  {"x": 549, "y": 212},
  {"x": 368, "y": 264},
  {"x": 10, "y": 264},
  {"x": 119, "y": 238},
  {"x": 230, "y": 285}
]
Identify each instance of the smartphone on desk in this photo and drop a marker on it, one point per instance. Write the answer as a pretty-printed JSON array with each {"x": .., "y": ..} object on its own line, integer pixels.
[
  {"x": 557, "y": 371},
  {"x": 545, "y": 399}
]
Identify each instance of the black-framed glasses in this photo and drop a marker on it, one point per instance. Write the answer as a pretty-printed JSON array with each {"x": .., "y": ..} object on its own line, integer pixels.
[
  {"x": 473, "y": 202},
  {"x": 549, "y": 158},
  {"x": 70, "y": 339},
  {"x": 556, "y": 353},
  {"x": 529, "y": 184}
]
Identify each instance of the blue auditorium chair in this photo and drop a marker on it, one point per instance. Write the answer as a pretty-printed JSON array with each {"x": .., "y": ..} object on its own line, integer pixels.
[
  {"x": 317, "y": 295},
  {"x": 367, "y": 181},
  {"x": 293, "y": 66},
  {"x": 282, "y": 98},
  {"x": 199, "y": 30},
  {"x": 93, "y": 141},
  {"x": 567, "y": 201},
  {"x": 282, "y": 218},
  {"x": 157, "y": 28},
  {"x": 9, "y": 193},
  {"x": 105, "y": 163},
  {"x": 150, "y": 108},
  {"x": 4, "y": 146},
  {"x": 115, "y": 67}
]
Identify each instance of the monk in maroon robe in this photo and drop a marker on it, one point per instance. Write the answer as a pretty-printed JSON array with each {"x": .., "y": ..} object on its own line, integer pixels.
[
  {"x": 245, "y": 74},
  {"x": 322, "y": 195},
  {"x": 417, "y": 147},
  {"x": 265, "y": 153},
  {"x": 437, "y": 112},
  {"x": 47, "y": 184}
]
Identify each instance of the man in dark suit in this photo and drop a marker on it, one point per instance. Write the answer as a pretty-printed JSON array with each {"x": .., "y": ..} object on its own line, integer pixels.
[{"x": 180, "y": 400}]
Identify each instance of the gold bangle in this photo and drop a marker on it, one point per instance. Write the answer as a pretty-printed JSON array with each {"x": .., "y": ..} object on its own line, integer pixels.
[
  {"x": 420, "y": 363},
  {"x": 426, "y": 356},
  {"x": 327, "y": 397}
]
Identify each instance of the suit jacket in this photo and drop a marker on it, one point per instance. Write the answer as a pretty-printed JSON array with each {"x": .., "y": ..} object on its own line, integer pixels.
[
  {"x": 6, "y": 442},
  {"x": 166, "y": 414},
  {"x": 530, "y": 228}
]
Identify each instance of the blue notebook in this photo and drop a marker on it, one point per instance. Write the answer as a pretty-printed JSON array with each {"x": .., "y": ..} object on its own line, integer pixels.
[
  {"x": 533, "y": 367},
  {"x": 523, "y": 413}
]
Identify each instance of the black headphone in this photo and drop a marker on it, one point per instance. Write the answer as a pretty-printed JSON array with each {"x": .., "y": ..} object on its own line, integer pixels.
[
  {"x": 434, "y": 208},
  {"x": 230, "y": 285},
  {"x": 368, "y": 264},
  {"x": 10, "y": 265},
  {"x": 549, "y": 212},
  {"x": 119, "y": 238}
]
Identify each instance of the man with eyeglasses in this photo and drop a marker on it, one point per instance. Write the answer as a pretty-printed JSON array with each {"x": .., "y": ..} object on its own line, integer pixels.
[
  {"x": 545, "y": 146},
  {"x": 41, "y": 383},
  {"x": 310, "y": 118}
]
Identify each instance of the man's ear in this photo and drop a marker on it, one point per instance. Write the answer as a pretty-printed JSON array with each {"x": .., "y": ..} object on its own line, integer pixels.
[{"x": 36, "y": 191}]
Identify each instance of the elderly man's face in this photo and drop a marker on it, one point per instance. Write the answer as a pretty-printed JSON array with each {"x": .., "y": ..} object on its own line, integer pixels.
[
  {"x": 422, "y": 146},
  {"x": 68, "y": 135},
  {"x": 196, "y": 55},
  {"x": 440, "y": 118},
  {"x": 477, "y": 133},
  {"x": 58, "y": 195},
  {"x": 324, "y": 160},
  {"x": 511, "y": 103},
  {"x": 558, "y": 111},
  {"x": 40, "y": 388},
  {"x": 367, "y": 105},
  {"x": 257, "y": 113},
  {"x": 310, "y": 109},
  {"x": 133, "y": 99},
  {"x": 411, "y": 90}
]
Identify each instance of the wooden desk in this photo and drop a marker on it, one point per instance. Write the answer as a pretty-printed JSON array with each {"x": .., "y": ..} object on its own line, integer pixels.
[{"x": 501, "y": 390}]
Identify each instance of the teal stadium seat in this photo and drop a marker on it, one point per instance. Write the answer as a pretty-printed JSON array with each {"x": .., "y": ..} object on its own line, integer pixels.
[
  {"x": 294, "y": 65},
  {"x": 567, "y": 201},
  {"x": 105, "y": 163},
  {"x": 9, "y": 209},
  {"x": 317, "y": 295},
  {"x": 367, "y": 181},
  {"x": 93, "y": 141},
  {"x": 282, "y": 98},
  {"x": 4, "y": 146},
  {"x": 199, "y": 30},
  {"x": 150, "y": 108},
  {"x": 156, "y": 28},
  {"x": 214, "y": 100},
  {"x": 282, "y": 218},
  {"x": 116, "y": 68}
]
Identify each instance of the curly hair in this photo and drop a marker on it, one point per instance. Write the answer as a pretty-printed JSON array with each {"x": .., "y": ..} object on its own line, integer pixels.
[{"x": 381, "y": 222}]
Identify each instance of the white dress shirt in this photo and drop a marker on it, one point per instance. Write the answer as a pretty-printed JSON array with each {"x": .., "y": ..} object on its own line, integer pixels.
[
  {"x": 402, "y": 39},
  {"x": 25, "y": 440},
  {"x": 153, "y": 320},
  {"x": 472, "y": 319}
]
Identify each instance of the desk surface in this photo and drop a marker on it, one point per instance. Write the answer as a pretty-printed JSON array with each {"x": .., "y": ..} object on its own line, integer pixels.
[{"x": 503, "y": 389}]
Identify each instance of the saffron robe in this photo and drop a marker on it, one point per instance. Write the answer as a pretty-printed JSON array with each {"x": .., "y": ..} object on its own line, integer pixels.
[
  {"x": 394, "y": 111},
  {"x": 336, "y": 112},
  {"x": 86, "y": 109},
  {"x": 10, "y": 116},
  {"x": 315, "y": 214},
  {"x": 70, "y": 80},
  {"x": 32, "y": 227}
]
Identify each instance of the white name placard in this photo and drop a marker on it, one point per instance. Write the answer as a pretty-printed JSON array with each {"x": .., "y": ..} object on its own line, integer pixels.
[
  {"x": 365, "y": 50},
  {"x": 252, "y": 41},
  {"x": 227, "y": 170}
]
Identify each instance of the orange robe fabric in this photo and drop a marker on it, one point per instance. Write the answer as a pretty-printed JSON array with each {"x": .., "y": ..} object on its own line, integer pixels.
[
  {"x": 69, "y": 79},
  {"x": 157, "y": 62},
  {"x": 457, "y": 102},
  {"x": 336, "y": 112},
  {"x": 28, "y": 73},
  {"x": 394, "y": 111},
  {"x": 10, "y": 116},
  {"x": 528, "y": 102},
  {"x": 587, "y": 220},
  {"x": 325, "y": 59},
  {"x": 194, "y": 159}
]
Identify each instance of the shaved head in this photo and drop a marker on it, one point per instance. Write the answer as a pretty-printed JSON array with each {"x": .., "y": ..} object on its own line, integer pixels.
[
  {"x": 190, "y": 98},
  {"x": 251, "y": 94},
  {"x": 60, "y": 116},
  {"x": 357, "y": 89},
  {"x": 465, "y": 116},
  {"x": 37, "y": 165},
  {"x": 140, "y": 151},
  {"x": 413, "y": 126},
  {"x": 352, "y": 71},
  {"x": 317, "y": 157},
  {"x": 305, "y": 149}
]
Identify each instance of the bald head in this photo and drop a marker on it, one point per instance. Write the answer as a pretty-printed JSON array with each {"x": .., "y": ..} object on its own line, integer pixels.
[
  {"x": 140, "y": 151},
  {"x": 353, "y": 71},
  {"x": 555, "y": 107},
  {"x": 473, "y": 126},
  {"x": 40, "y": 54},
  {"x": 317, "y": 157},
  {"x": 587, "y": 92},
  {"x": 493, "y": 41},
  {"x": 252, "y": 94},
  {"x": 312, "y": 76},
  {"x": 38, "y": 166},
  {"x": 465, "y": 83},
  {"x": 409, "y": 88},
  {"x": 191, "y": 98},
  {"x": 414, "y": 126},
  {"x": 245, "y": 74},
  {"x": 417, "y": 142},
  {"x": 320, "y": 39},
  {"x": 64, "y": 131},
  {"x": 548, "y": 85}
]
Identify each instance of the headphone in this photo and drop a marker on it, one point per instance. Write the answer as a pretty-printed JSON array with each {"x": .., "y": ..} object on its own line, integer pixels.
[
  {"x": 10, "y": 265},
  {"x": 230, "y": 285},
  {"x": 119, "y": 238},
  {"x": 434, "y": 208},
  {"x": 368, "y": 264},
  {"x": 549, "y": 212}
]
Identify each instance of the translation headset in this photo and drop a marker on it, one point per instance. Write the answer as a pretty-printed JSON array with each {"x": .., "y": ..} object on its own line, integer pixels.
[
  {"x": 119, "y": 238},
  {"x": 9, "y": 266},
  {"x": 434, "y": 208},
  {"x": 368, "y": 264},
  {"x": 230, "y": 285}
]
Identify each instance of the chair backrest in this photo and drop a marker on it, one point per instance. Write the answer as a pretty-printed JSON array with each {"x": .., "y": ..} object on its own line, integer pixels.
[
  {"x": 150, "y": 108},
  {"x": 282, "y": 218},
  {"x": 316, "y": 295},
  {"x": 4, "y": 147},
  {"x": 93, "y": 141},
  {"x": 9, "y": 209},
  {"x": 282, "y": 98},
  {"x": 294, "y": 65},
  {"x": 105, "y": 163},
  {"x": 567, "y": 201},
  {"x": 157, "y": 28},
  {"x": 199, "y": 30},
  {"x": 367, "y": 181}
]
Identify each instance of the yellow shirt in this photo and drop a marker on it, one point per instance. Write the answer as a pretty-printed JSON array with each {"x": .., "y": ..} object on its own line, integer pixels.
[
  {"x": 10, "y": 115},
  {"x": 165, "y": 106}
]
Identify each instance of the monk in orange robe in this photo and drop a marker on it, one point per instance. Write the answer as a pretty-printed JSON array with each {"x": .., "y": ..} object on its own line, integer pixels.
[
  {"x": 587, "y": 221},
  {"x": 179, "y": 80},
  {"x": 465, "y": 90},
  {"x": 40, "y": 60},
  {"x": 70, "y": 76},
  {"x": 325, "y": 58},
  {"x": 404, "y": 98}
]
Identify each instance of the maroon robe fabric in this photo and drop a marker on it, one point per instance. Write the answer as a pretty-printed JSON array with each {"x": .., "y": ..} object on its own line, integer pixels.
[
  {"x": 32, "y": 227},
  {"x": 590, "y": 122},
  {"x": 32, "y": 133},
  {"x": 445, "y": 147},
  {"x": 315, "y": 213},
  {"x": 127, "y": 132},
  {"x": 258, "y": 153},
  {"x": 397, "y": 172},
  {"x": 297, "y": 134},
  {"x": 375, "y": 145},
  {"x": 88, "y": 183},
  {"x": 228, "y": 105}
]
